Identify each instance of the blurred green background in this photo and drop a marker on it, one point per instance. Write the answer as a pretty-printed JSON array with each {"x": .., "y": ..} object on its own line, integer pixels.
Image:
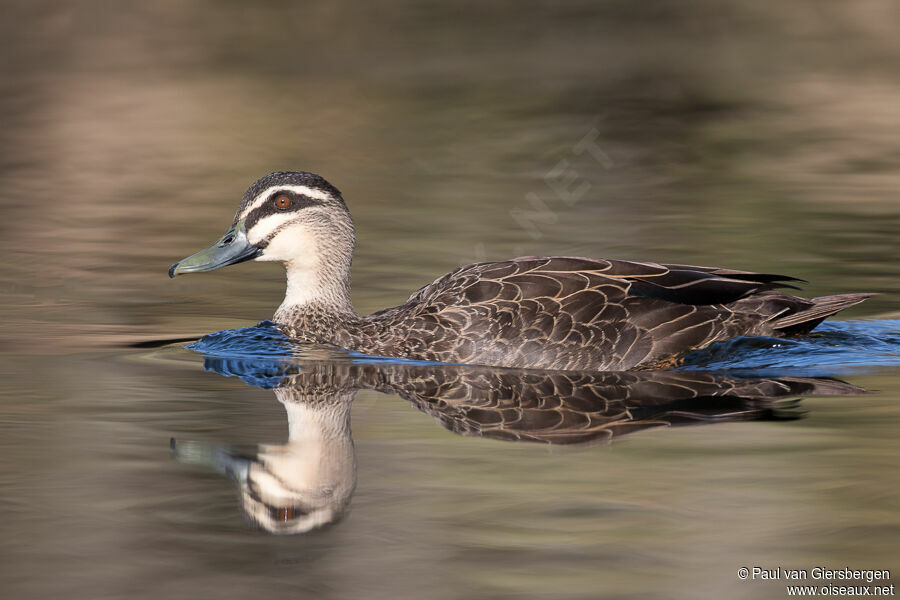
[{"x": 762, "y": 136}]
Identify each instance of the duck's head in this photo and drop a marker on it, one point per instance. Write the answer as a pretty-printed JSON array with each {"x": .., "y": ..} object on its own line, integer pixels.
[{"x": 295, "y": 218}]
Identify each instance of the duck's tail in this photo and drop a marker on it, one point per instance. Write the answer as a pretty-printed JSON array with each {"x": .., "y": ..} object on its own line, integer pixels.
[{"x": 823, "y": 307}]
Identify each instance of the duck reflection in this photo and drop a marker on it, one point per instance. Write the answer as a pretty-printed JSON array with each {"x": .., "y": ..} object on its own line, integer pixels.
[{"x": 308, "y": 481}]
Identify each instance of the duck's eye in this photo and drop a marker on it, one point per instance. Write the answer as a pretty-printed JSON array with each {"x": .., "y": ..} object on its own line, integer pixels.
[{"x": 282, "y": 202}]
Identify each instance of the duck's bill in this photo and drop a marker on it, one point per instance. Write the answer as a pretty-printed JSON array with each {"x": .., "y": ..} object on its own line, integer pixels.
[
  {"x": 218, "y": 457},
  {"x": 230, "y": 249}
]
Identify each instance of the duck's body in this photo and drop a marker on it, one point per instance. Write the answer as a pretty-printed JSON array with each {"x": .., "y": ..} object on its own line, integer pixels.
[{"x": 533, "y": 312}]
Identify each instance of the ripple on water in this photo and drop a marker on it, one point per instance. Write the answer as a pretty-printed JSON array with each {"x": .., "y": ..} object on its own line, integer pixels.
[
  {"x": 835, "y": 346},
  {"x": 263, "y": 340},
  {"x": 262, "y": 355}
]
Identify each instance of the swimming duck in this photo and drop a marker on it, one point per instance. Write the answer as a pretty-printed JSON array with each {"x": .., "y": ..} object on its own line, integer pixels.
[{"x": 549, "y": 312}]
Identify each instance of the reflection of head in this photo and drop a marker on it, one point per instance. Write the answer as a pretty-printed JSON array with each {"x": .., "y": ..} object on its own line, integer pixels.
[
  {"x": 300, "y": 485},
  {"x": 307, "y": 482}
]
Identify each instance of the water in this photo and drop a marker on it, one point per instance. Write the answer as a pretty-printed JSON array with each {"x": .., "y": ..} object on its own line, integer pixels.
[{"x": 755, "y": 138}]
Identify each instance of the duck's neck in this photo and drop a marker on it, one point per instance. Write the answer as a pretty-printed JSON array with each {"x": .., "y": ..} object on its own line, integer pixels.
[
  {"x": 317, "y": 417},
  {"x": 317, "y": 302}
]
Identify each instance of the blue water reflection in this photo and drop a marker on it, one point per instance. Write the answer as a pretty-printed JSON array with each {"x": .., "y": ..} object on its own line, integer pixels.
[{"x": 834, "y": 347}]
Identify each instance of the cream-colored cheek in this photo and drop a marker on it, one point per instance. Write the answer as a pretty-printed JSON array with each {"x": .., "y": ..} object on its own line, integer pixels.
[{"x": 293, "y": 244}]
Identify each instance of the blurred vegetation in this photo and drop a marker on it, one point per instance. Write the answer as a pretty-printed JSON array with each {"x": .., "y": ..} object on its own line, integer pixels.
[{"x": 735, "y": 135}]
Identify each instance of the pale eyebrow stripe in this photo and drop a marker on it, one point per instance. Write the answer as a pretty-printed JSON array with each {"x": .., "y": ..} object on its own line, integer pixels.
[{"x": 263, "y": 197}]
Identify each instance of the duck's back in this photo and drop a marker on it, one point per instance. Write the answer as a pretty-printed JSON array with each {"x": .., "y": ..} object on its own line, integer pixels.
[{"x": 583, "y": 314}]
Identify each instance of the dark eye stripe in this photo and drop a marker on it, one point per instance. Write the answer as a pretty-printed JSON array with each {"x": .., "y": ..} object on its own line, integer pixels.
[{"x": 298, "y": 202}]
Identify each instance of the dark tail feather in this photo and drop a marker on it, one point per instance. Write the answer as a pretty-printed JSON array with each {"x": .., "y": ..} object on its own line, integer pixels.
[{"x": 822, "y": 308}]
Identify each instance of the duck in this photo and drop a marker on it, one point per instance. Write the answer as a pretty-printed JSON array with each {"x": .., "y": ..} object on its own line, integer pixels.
[{"x": 534, "y": 312}]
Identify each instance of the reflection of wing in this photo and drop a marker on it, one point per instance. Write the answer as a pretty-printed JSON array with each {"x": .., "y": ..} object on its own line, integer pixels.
[
  {"x": 567, "y": 408},
  {"x": 556, "y": 407}
]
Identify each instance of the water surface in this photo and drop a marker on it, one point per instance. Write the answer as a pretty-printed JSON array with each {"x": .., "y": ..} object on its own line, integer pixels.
[{"x": 747, "y": 137}]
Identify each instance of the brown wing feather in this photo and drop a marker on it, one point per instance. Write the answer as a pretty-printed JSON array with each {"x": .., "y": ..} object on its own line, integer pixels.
[{"x": 576, "y": 313}]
